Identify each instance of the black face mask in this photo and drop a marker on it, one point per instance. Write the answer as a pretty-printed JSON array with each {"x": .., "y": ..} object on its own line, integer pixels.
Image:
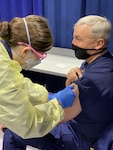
[{"x": 81, "y": 53}]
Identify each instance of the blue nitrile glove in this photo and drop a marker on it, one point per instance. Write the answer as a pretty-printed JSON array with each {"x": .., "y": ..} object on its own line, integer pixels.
[{"x": 66, "y": 96}]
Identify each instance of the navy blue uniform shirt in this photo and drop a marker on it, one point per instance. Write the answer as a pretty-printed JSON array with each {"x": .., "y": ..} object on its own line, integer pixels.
[{"x": 96, "y": 97}]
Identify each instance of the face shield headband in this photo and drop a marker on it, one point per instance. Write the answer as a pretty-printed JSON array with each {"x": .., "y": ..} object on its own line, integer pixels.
[{"x": 42, "y": 56}]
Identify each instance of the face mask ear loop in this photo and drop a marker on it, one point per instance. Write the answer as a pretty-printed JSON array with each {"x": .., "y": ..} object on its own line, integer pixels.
[{"x": 28, "y": 36}]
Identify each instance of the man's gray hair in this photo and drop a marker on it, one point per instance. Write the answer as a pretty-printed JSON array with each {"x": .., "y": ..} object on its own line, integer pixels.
[{"x": 101, "y": 26}]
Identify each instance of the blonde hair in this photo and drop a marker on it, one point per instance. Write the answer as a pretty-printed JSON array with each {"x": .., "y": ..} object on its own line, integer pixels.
[
  {"x": 40, "y": 34},
  {"x": 101, "y": 26}
]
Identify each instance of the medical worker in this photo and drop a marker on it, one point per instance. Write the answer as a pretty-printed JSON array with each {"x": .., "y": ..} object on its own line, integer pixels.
[
  {"x": 92, "y": 110},
  {"x": 24, "y": 105}
]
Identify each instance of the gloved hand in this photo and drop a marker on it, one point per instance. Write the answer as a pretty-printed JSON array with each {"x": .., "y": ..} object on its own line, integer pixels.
[{"x": 66, "y": 96}]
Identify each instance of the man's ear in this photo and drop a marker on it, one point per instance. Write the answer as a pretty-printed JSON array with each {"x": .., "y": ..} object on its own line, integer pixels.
[{"x": 100, "y": 44}]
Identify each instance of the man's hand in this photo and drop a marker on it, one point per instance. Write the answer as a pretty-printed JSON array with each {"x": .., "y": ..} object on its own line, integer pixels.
[{"x": 73, "y": 75}]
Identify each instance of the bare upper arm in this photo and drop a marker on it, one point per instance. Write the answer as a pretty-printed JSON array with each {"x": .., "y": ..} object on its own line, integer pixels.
[{"x": 76, "y": 108}]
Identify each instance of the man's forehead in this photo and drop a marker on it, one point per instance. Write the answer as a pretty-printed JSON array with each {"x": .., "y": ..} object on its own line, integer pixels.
[{"x": 82, "y": 29}]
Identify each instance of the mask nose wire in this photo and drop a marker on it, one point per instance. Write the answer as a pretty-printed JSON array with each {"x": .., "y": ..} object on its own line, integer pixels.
[{"x": 28, "y": 36}]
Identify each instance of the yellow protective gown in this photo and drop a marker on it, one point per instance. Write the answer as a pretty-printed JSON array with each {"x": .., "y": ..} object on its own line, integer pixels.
[{"x": 24, "y": 105}]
